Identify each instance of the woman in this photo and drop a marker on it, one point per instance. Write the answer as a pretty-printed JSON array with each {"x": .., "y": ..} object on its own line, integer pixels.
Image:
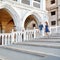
[{"x": 46, "y": 28}]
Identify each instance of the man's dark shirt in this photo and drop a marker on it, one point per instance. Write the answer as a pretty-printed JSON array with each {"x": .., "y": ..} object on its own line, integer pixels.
[{"x": 40, "y": 27}]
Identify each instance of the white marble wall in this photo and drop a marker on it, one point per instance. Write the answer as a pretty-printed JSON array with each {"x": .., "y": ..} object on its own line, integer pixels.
[{"x": 20, "y": 12}]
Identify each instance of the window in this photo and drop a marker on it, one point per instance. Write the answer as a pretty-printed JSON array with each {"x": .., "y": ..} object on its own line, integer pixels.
[
  {"x": 37, "y": 0},
  {"x": 52, "y": 1},
  {"x": 26, "y": 2},
  {"x": 53, "y": 13},
  {"x": 53, "y": 22},
  {"x": 33, "y": 25}
]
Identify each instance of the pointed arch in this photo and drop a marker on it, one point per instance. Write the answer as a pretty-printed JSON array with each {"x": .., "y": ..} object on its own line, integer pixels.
[
  {"x": 13, "y": 13},
  {"x": 34, "y": 14}
]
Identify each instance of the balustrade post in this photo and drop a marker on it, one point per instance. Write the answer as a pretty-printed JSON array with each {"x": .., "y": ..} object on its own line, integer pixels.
[
  {"x": 27, "y": 35},
  {"x": 24, "y": 35},
  {"x": 8, "y": 39},
  {"x": 19, "y": 1},
  {"x": 34, "y": 33},
  {"x": 12, "y": 35},
  {"x": 5, "y": 39},
  {"x": 2, "y": 39},
  {"x": 19, "y": 37},
  {"x": 31, "y": 2}
]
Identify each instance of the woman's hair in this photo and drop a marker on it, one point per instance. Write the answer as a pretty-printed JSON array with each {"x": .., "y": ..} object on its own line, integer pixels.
[{"x": 46, "y": 23}]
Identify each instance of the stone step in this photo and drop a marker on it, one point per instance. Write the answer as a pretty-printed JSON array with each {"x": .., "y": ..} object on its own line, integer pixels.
[
  {"x": 48, "y": 50},
  {"x": 37, "y": 51},
  {"x": 12, "y": 53},
  {"x": 43, "y": 44},
  {"x": 44, "y": 40},
  {"x": 49, "y": 37},
  {"x": 55, "y": 35}
]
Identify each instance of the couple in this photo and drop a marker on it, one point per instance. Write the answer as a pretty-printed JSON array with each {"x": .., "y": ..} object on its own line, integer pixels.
[{"x": 46, "y": 28}]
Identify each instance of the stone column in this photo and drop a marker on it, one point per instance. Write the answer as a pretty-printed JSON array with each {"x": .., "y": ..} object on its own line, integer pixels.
[
  {"x": 20, "y": 1},
  {"x": 43, "y": 5},
  {"x": 31, "y": 2}
]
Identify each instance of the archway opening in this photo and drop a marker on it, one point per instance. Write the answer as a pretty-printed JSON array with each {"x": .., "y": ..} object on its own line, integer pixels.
[
  {"x": 31, "y": 22},
  {"x": 6, "y": 21}
]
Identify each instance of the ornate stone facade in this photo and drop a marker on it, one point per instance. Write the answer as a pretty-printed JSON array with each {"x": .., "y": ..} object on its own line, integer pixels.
[{"x": 21, "y": 14}]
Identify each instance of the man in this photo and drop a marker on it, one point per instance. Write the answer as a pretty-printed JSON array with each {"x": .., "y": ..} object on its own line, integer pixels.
[{"x": 41, "y": 27}]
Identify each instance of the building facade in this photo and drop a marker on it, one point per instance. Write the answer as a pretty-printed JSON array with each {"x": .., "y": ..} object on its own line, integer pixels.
[
  {"x": 21, "y": 14},
  {"x": 53, "y": 7}
]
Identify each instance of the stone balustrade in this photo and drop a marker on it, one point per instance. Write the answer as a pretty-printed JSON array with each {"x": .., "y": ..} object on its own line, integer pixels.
[
  {"x": 18, "y": 36},
  {"x": 23, "y": 35},
  {"x": 55, "y": 29}
]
